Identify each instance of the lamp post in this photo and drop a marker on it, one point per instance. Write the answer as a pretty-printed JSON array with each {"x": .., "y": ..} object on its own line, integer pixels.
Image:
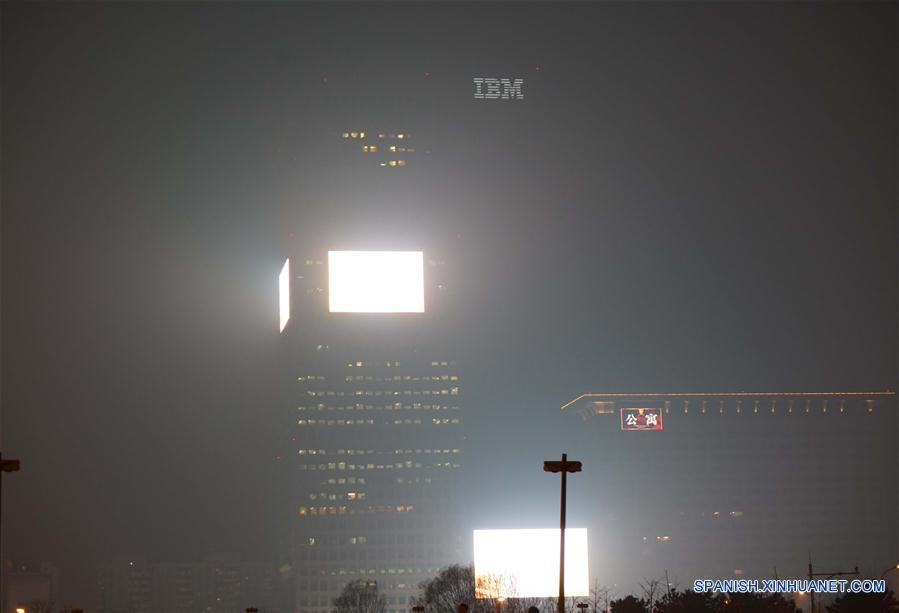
[
  {"x": 6, "y": 466},
  {"x": 564, "y": 467}
]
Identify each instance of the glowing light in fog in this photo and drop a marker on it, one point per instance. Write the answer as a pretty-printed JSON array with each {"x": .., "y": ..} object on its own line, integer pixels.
[
  {"x": 376, "y": 282},
  {"x": 284, "y": 294},
  {"x": 525, "y": 563}
]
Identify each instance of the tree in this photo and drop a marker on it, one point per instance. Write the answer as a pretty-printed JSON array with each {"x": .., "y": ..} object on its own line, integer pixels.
[
  {"x": 652, "y": 589},
  {"x": 629, "y": 604},
  {"x": 453, "y": 585},
  {"x": 760, "y": 603},
  {"x": 863, "y": 603},
  {"x": 361, "y": 596},
  {"x": 689, "y": 601},
  {"x": 600, "y": 596},
  {"x": 39, "y": 606}
]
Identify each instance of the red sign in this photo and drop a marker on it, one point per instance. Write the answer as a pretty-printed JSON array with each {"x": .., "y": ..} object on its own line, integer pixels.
[{"x": 644, "y": 418}]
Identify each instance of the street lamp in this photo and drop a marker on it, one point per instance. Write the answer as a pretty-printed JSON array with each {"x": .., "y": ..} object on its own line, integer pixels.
[
  {"x": 564, "y": 467},
  {"x": 891, "y": 568},
  {"x": 6, "y": 466}
]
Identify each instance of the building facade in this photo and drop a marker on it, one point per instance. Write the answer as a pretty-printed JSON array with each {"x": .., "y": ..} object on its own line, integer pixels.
[
  {"x": 33, "y": 588},
  {"x": 375, "y": 450},
  {"x": 221, "y": 583},
  {"x": 743, "y": 484}
]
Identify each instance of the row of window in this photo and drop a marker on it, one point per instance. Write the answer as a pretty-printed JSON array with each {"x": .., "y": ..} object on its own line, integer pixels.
[
  {"x": 371, "y": 422},
  {"x": 394, "y": 406},
  {"x": 347, "y": 480},
  {"x": 335, "y": 422},
  {"x": 396, "y": 378},
  {"x": 399, "y": 466},
  {"x": 363, "y": 554},
  {"x": 453, "y": 391},
  {"x": 399, "y": 538},
  {"x": 315, "y": 571},
  {"x": 343, "y": 510},
  {"x": 336, "y": 497},
  {"x": 324, "y": 586},
  {"x": 355, "y": 134},
  {"x": 375, "y": 452},
  {"x": 363, "y": 363}
]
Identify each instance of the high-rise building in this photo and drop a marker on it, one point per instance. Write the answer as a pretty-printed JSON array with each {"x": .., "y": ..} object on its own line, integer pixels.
[
  {"x": 740, "y": 484},
  {"x": 375, "y": 418}
]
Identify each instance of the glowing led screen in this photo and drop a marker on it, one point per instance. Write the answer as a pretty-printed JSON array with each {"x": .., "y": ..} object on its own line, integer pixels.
[
  {"x": 376, "y": 282},
  {"x": 284, "y": 294},
  {"x": 525, "y": 563}
]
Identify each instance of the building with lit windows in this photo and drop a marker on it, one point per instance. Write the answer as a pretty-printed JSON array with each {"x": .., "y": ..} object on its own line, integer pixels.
[
  {"x": 742, "y": 483},
  {"x": 386, "y": 149},
  {"x": 375, "y": 424}
]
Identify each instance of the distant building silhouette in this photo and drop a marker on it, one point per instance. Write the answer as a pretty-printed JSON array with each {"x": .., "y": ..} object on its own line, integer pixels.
[
  {"x": 25, "y": 586},
  {"x": 218, "y": 583},
  {"x": 738, "y": 483}
]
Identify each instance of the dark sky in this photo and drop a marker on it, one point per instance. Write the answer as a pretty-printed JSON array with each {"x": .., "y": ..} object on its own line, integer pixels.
[{"x": 692, "y": 196}]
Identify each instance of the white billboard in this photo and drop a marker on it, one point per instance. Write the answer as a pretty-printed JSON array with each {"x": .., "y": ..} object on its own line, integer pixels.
[
  {"x": 525, "y": 563},
  {"x": 376, "y": 282},
  {"x": 284, "y": 294}
]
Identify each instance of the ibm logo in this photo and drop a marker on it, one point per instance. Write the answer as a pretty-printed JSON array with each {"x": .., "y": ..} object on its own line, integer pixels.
[{"x": 497, "y": 89}]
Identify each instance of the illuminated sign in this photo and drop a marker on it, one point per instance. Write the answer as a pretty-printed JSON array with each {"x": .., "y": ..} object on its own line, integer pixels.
[
  {"x": 284, "y": 294},
  {"x": 497, "y": 89},
  {"x": 643, "y": 418},
  {"x": 376, "y": 282},
  {"x": 525, "y": 563}
]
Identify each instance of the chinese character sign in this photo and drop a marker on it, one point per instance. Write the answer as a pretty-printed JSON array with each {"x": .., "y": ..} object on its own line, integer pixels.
[{"x": 641, "y": 418}]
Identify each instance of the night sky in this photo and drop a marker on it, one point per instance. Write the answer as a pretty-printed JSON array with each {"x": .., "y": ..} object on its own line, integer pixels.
[{"x": 691, "y": 197}]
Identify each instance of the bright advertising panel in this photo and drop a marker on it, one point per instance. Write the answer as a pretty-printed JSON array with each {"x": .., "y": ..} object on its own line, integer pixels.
[
  {"x": 641, "y": 418},
  {"x": 376, "y": 282},
  {"x": 525, "y": 563},
  {"x": 284, "y": 295}
]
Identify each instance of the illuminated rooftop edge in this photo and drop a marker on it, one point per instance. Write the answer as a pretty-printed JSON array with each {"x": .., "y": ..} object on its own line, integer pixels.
[{"x": 720, "y": 394}]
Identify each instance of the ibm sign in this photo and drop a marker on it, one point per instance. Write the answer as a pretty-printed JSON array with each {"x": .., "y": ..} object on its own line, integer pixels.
[{"x": 497, "y": 89}]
